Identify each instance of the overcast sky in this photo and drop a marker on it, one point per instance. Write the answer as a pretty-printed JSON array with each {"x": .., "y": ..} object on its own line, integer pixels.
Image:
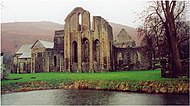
[{"x": 118, "y": 11}]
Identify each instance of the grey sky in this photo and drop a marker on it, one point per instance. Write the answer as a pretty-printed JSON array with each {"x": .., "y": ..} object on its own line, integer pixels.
[{"x": 118, "y": 11}]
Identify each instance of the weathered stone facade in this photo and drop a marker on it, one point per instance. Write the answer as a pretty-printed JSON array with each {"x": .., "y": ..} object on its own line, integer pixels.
[
  {"x": 56, "y": 53},
  {"x": 40, "y": 58},
  {"x": 47, "y": 56},
  {"x": 22, "y": 60},
  {"x": 127, "y": 56},
  {"x": 86, "y": 48}
]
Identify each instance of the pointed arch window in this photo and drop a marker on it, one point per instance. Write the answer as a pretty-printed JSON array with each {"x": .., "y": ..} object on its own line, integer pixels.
[
  {"x": 97, "y": 50},
  {"x": 85, "y": 49},
  {"x": 74, "y": 52},
  {"x": 80, "y": 22},
  {"x": 55, "y": 61}
]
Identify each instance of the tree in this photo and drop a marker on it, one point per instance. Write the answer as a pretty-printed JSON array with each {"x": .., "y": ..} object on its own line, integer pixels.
[
  {"x": 162, "y": 23},
  {"x": 153, "y": 39}
]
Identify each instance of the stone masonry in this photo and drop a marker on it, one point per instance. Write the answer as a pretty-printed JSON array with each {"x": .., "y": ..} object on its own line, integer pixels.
[{"x": 86, "y": 48}]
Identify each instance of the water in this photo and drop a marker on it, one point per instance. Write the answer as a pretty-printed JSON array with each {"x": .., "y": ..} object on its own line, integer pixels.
[{"x": 87, "y": 97}]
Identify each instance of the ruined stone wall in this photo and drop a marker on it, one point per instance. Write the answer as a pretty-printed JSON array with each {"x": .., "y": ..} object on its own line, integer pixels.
[
  {"x": 58, "y": 40},
  {"x": 79, "y": 41},
  {"x": 24, "y": 65},
  {"x": 129, "y": 59},
  {"x": 39, "y": 60},
  {"x": 55, "y": 61},
  {"x": 21, "y": 65},
  {"x": 15, "y": 63},
  {"x": 56, "y": 54},
  {"x": 47, "y": 60},
  {"x": 126, "y": 55},
  {"x": 103, "y": 33}
]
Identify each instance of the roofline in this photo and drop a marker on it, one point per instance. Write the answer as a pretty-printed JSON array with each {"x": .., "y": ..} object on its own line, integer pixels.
[
  {"x": 40, "y": 42},
  {"x": 17, "y": 49},
  {"x": 34, "y": 43}
]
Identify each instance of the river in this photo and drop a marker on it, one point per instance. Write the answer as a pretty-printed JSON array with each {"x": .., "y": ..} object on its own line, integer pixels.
[{"x": 90, "y": 97}]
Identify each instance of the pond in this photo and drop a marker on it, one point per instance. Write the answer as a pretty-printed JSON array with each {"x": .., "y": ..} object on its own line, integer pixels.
[{"x": 90, "y": 97}]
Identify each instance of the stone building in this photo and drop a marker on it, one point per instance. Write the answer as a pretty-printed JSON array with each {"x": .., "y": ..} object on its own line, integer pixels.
[
  {"x": 40, "y": 58},
  {"x": 87, "y": 45},
  {"x": 56, "y": 53},
  {"x": 22, "y": 59},
  {"x": 48, "y": 56},
  {"x": 127, "y": 56}
]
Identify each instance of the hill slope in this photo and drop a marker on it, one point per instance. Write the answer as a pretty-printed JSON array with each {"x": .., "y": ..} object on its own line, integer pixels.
[{"x": 16, "y": 34}]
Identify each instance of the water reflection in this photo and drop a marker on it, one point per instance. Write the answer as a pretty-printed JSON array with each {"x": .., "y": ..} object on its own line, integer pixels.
[
  {"x": 90, "y": 97},
  {"x": 176, "y": 99}
]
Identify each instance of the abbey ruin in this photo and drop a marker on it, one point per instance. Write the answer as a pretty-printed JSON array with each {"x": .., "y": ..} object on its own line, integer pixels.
[{"x": 83, "y": 46}]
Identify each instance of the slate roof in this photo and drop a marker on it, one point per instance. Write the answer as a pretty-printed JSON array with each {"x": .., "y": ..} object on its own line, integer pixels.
[
  {"x": 46, "y": 44},
  {"x": 25, "y": 55},
  {"x": 25, "y": 51}
]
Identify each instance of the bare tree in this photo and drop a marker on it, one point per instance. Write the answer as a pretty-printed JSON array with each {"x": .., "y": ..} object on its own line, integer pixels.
[{"x": 163, "y": 24}]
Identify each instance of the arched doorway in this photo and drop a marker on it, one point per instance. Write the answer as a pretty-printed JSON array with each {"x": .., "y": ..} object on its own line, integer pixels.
[
  {"x": 85, "y": 55},
  {"x": 74, "y": 52},
  {"x": 55, "y": 61},
  {"x": 74, "y": 57},
  {"x": 96, "y": 55},
  {"x": 119, "y": 58},
  {"x": 85, "y": 49}
]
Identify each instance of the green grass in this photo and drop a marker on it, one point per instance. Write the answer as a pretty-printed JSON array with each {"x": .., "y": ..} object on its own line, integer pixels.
[{"x": 114, "y": 76}]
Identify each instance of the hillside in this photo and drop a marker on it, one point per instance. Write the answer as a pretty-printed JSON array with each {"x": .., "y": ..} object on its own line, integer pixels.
[{"x": 18, "y": 33}]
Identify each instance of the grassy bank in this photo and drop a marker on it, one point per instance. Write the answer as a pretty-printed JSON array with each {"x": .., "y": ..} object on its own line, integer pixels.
[
  {"x": 106, "y": 76},
  {"x": 141, "y": 81}
]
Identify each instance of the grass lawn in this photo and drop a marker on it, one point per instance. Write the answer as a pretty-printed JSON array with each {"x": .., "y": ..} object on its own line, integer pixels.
[{"x": 114, "y": 76}]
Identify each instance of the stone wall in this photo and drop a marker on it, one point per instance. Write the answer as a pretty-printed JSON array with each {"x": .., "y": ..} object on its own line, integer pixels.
[
  {"x": 55, "y": 60},
  {"x": 39, "y": 60},
  {"x": 15, "y": 63},
  {"x": 130, "y": 58},
  {"x": 56, "y": 53},
  {"x": 80, "y": 41},
  {"x": 24, "y": 65},
  {"x": 48, "y": 59},
  {"x": 21, "y": 65}
]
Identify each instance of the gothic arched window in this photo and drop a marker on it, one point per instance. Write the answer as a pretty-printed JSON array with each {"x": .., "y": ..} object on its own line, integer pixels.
[
  {"x": 80, "y": 22},
  {"x": 55, "y": 61},
  {"x": 74, "y": 52}
]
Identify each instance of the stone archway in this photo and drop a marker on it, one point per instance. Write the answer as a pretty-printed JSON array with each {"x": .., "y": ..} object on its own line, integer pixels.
[
  {"x": 55, "y": 61},
  {"x": 74, "y": 57},
  {"x": 85, "y": 55},
  {"x": 96, "y": 55},
  {"x": 119, "y": 58}
]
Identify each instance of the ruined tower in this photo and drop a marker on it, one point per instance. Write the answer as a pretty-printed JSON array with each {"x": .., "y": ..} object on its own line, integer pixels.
[{"x": 87, "y": 48}]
